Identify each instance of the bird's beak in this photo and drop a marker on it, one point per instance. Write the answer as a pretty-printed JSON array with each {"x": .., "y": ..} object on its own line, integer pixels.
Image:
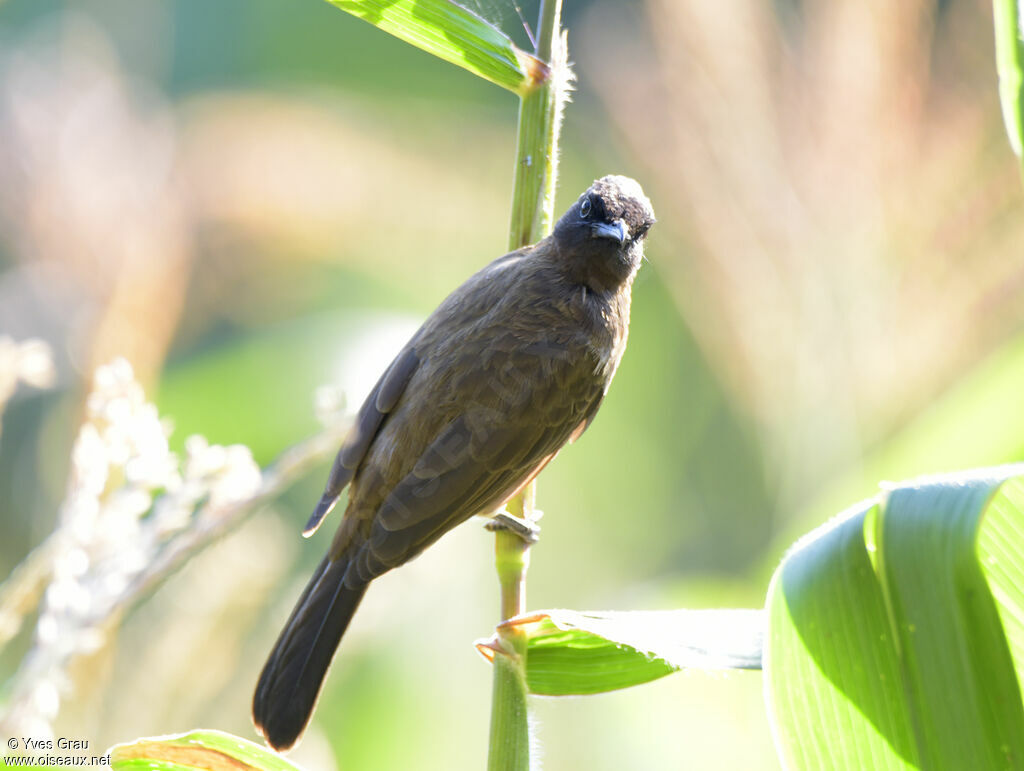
[{"x": 618, "y": 231}]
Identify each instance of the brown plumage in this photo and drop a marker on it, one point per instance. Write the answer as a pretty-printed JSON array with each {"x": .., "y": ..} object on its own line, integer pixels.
[{"x": 511, "y": 366}]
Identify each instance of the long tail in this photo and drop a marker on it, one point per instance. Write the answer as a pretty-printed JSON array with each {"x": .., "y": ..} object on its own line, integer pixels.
[{"x": 291, "y": 678}]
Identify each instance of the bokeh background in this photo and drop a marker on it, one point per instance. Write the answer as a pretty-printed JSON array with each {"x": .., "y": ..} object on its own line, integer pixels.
[{"x": 249, "y": 199}]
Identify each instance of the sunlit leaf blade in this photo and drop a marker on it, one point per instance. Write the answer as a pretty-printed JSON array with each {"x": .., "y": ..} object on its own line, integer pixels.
[
  {"x": 828, "y": 631},
  {"x": 206, "y": 750},
  {"x": 887, "y": 646},
  {"x": 455, "y": 34},
  {"x": 1002, "y": 560},
  {"x": 1009, "y": 29},
  {"x": 569, "y": 652},
  {"x": 563, "y": 662}
]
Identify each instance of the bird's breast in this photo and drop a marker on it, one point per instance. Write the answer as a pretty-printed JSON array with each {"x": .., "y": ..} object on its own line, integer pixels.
[{"x": 604, "y": 322}]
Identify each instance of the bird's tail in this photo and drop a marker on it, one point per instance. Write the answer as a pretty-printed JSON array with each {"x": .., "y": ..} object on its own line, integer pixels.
[{"x": 291, "y": 678}]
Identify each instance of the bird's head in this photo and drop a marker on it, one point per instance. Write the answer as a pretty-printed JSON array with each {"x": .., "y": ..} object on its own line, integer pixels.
[{"x": 600, "y": 239}]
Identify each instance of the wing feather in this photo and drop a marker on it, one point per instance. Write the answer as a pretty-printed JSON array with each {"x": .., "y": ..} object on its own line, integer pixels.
[
  {"x": 471, "y": 467},
  {"x": 378, "y": 404}
]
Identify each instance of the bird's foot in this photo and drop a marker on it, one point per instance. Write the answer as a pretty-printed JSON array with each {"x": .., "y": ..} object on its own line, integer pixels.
[{"x": 527, "y": 529}]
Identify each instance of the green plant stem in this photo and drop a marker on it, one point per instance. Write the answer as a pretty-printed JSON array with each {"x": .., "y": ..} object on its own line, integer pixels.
[
  {"x": 510, "y": 733},
  {"x": 512, "y": 556},
  {"x": 533, "y": 203},
  {"x": 540, "y": 113},
  {"x": 1009, "y": 27}
]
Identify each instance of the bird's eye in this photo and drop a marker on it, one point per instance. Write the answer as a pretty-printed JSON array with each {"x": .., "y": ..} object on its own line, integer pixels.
[{"x": 585, "y": 208}]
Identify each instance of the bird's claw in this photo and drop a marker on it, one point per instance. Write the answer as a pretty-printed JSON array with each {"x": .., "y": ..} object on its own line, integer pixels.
[{"x": 527, "y": 529}]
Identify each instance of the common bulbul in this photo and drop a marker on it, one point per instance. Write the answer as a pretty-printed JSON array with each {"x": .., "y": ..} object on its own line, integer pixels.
[{"x": 511, "y": 366}]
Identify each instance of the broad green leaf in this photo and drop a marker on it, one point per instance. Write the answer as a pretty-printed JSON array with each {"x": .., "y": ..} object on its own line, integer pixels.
[
  {"x": 569, "y": 652},
  {"x": 1009, "y": 29},
  {"x": 894, "y": 631},
  {"x": 1002, "y": 560},
  {"x": 455, "y": 34},
  {"x": 205, "y": 750}
]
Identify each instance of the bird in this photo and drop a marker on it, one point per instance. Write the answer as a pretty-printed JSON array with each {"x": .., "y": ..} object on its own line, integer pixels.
[{"x": 510, "y": 367}]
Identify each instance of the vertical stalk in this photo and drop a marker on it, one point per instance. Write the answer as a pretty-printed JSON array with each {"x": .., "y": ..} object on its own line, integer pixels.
[
  {"x": 510, "y": 732},
  {"x": 533, "y": 202},
  {"x": 1008, "y": 16},
  {"x": 540, "y": 118}
]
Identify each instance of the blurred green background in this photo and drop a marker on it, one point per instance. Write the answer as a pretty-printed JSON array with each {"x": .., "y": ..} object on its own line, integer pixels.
[{"x": 251, "y": 199}]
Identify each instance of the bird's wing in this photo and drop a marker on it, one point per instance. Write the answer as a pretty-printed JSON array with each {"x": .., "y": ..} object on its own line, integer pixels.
[
  {"x": 480, "y": 458},
  {"x": 378, "y": 404}
]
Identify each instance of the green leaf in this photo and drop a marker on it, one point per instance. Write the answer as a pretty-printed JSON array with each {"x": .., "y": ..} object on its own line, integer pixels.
[
  {"x": 570, "y": 652},
  {"x": 455, "y": 34},
  {"x": 198, "y": 750},
  {"x": 1002, "y": 561},
  {"x": 896, "y": 635},
  {"x": 1009, "y": 29}
]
